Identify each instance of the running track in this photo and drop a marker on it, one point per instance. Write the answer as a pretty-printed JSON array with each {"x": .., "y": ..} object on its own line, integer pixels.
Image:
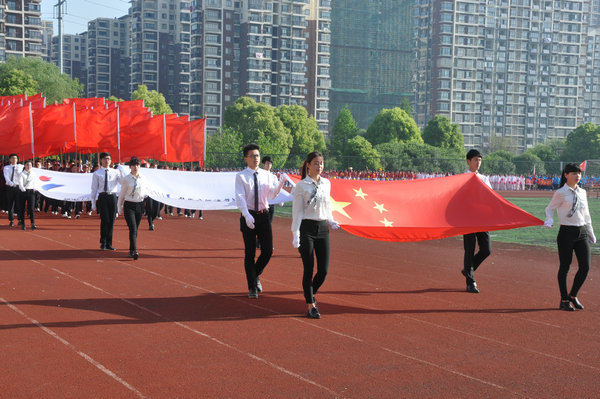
[{"x": 76, "y": 322}]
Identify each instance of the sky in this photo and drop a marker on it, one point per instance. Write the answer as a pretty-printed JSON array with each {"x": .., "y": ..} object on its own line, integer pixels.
[{"x": 79, "y": 12}]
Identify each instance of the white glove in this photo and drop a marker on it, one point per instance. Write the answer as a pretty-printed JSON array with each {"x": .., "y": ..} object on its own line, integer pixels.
[
  {"x": 334, "y": 225},
  {"x": 119, "y": 211},
  {"x": 282, "y": 178},
  {"x": 296, "y": 241},
  {"x": 249, "y": 221},
  {"x": 548, "y": 223},
  {"x": 591, "y": 238}
]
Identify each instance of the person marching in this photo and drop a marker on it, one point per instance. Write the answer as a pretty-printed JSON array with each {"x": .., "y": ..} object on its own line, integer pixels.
[
  {"x": 28, "y": 186},
  {"x": 131, "y": 203},
  {"x": 104, "y": 198},
  {"x": 11, "y": 176},
  {"x": 254, "y": 187},
  {"x": 311, "y": 219},
  {"x": 574, "y": 235}
]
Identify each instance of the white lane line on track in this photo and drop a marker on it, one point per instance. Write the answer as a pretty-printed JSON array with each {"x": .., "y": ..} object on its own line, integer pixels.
[{"x": 72, "y": 347}]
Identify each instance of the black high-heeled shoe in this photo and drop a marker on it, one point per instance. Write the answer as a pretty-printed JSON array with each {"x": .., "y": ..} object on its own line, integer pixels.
[
  {"x": 566, "y": 305},
  {"x": 575, "y": 302}
]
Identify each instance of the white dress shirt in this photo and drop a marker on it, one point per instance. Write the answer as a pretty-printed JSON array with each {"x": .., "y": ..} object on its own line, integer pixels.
[
  {"x": 311, "y": 201},
  {"x": 12, "y": 181},
  {"x": 114, "y": 178},
  {"x": 28, "y": 180},
  {"x": 562, "y": 201},
  {"x": 268, "y": 189},
  {"x": 483, "y": 178},
  {"x": 133, "y": 189}
]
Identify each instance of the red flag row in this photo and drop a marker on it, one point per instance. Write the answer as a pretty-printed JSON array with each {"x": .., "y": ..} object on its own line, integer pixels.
[{"x": 87, "y": 125}]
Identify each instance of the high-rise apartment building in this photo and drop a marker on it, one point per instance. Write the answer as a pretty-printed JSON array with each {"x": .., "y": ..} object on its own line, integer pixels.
[
  {"x": 47, "y": 32},
  {"x": 23, "y": 28},
  {"x": 74, "y": 53},
  {"x": 108, "y": 59},
  {"x": 160, "y": 49},
  {"x": 372, "y": 57},
  {"x": 510, "y": 69}
]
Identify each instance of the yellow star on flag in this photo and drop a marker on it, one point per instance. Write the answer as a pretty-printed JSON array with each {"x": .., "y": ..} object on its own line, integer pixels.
[
  {"x": 380, "y": 207},
  {"x": 339, "y": 207},
  {"x": 359, "y": 193},
  {"x": 386, "y": 222}
]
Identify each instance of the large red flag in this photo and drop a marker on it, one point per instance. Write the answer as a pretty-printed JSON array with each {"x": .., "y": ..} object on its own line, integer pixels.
[
  {"x": 97, "y": 130},
  {"x": 53, "y": 129},
  {"x": 15, "y": 131},
  {"x": 143, "y": 139},
  {"x": 424, "y": 209},
  {"x": 197, "y": 139}
]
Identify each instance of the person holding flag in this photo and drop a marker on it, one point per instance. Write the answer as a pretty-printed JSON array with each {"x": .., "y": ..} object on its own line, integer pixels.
[
  {"x": 104, "y": 198},
  {"x": 131, "y": 203},
  {"x": 12, "y": 172}
]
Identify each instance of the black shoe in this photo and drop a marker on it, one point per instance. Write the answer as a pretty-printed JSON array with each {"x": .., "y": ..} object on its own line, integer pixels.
[
  {"x": 109, "y": 248},
  {"x": 575, "y": 302},
  {"x": 151, "y": 226},
  {"x": 252, "y": 294},
  {"x": 258, "y": 285},
  {"x": 102, "y": 247},
  {"x": 10, "y": 223},
  {"x": 472, "y": 288},
  {"x": 131, "y": 254},
  {"x": 33, "y": 227},
  {"x": 566, "y": 305},
  {"x": 136, "y": 255},
  {"x": 313, "y": 313}
]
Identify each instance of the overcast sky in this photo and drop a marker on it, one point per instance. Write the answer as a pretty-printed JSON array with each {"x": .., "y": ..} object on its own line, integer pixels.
[{"x": 79, "y": 12}]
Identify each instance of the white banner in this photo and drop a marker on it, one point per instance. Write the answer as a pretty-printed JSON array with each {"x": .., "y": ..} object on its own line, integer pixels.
[{"x": 181, "y": 189}]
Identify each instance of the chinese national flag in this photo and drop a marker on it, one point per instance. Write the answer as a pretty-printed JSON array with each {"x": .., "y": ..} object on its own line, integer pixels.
[{"x": 424, "y": 209}]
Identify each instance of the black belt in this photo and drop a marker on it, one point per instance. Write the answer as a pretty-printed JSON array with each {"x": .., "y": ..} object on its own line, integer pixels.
[
  {"x": 105, "y": 193},
  {"x": 259, "y": 212}
]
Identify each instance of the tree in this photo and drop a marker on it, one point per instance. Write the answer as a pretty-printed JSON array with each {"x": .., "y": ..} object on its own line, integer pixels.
[
  {"x": 50, "y": 82},
  {"x": 257, "y": 123},
  {"x": 441, "y": 132},
  {"x": 393, "y": 124},
  {"x": 223, "y": 149},
  {"x": 582, "y": 143},
  {"x": 362, "y": 154},
  {"x": 498, "y": 163},
  {"x": 420, "y": 157},
  {"x": 15, "y": 82},
  {"x": 153, "y": 100},
  {"x": 406, "y": 106},
  {"x": 343, "y": 130},
  {"x": 306, "y": 136},
  {"x": 549, "y": 154},
  {"x": 524, "y": 164},
  {"x": 115, "y": 99}
]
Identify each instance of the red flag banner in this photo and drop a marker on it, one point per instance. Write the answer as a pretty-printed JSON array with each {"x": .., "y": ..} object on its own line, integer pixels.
[
  {"x": 583, "y": 165},
  {"x": 424, "y": 209},
  {"x": 16, "y": 130}
]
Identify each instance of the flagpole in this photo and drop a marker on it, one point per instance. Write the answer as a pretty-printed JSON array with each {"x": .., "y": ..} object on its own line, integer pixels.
[
  {"x": 75, "y": 128},
  {"x": 31, "y": 131},
  {"x": 165, "y": 134},
  {"x": 118, "y": 133}
]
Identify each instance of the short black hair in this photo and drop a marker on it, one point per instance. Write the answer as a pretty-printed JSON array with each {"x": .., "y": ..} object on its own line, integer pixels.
[
  {"x": 13, "y": 155},
  {"x": 473, "y": 153},
  {"x": 104, "y": 155},
  {"x": 250, "y": 147},
  {"x": 134, "y": 161},
  {"x": 267, "y": 158}
]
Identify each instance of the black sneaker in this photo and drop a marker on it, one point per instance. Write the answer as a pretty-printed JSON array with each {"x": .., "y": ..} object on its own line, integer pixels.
[
  {"x": 313, "y": 313},
  {"x": 252, "y": 294},
  {"x": 566, "y": 305}
]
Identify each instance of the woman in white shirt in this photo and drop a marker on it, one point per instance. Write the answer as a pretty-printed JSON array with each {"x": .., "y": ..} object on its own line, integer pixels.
[
  {"x": 27, "y": 184},
  {"x": 131, "y": 203},
  {"x": 311, "y": 219},
  {"x": 575, "y": 233}
]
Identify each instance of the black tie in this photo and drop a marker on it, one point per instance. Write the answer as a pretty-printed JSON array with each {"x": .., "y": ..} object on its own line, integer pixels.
[
  {"x": 12, "y": 177},
  {"x": 106, "y": 180},
  {"x": 256, "y": 191}
]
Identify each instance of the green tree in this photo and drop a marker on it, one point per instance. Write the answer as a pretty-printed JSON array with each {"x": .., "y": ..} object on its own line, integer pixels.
[
  {"x": 406, "y": 106},
  {"x": 393, "y": 124},
  {"x": 361, "y": 154},
  {"x": 115, "y": 99},
  {"x": 582, "y": 143},
  {"x": 223, "y": 149},
  {"x": 549, "y": 154},
  {"x": 257, "y": 123},
  {"x": 524, "y": 164},
  {"x": 343, "y": 130},
  {"x": 50, "y": 82},
  {"x": 15, "y": 82},
  {"x": 420, "y": 157},
  {"x": 305, "y": 133},
  {"x": 153, "y": 100},
  {"x": 441, "y": 132},
  {"x": 498, "y": 163}
]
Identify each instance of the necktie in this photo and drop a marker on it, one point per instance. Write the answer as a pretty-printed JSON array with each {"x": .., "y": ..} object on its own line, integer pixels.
[
  {"x": 105, "y": 180},
  {"x": 256, "y": 191},
  {"x": 12, "y": 177}
]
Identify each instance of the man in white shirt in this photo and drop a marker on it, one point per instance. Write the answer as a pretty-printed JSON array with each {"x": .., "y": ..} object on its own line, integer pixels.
[
  {"x": 472, "y": 260},
  {"x": 12, "y": 171},
  {"x": 254, "y": 187},
  {"x": 105, "y": 183}
]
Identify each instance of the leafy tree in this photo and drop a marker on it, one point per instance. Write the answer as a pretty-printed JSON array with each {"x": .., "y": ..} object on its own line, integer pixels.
[
  {"x": 418, "y": 157},
  {"x": 362, "y": 155},
  {"x": 223, "y": 149},
  {"x": 406, "y": 106},
  {"x": 393, "y": 124},
  {"x": 257, "y": 123},
  {"x": 305, "y": 133},
  {"x": 524, "y": 164},
  {"x": 549, "y": 153},
  {"x": 50, "y": 82},
  {"x": 343, "y": 130},
  {"x": 153, "y": 100},
  {"x": 115, "y": 99},
  {"x": 498, "y": 163},
  {"x": 582, "y": 143},
  {"x": 15, "y": 82},
  {"x": 441, "y": 132}
]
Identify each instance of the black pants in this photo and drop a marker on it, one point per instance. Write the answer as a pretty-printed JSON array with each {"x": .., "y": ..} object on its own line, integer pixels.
[
  {"x": 132, "y": 211},
  {"x": 472, "y": 259},
  {"x": 106, "y": 206},
  {"x": 152, "y": 210},
  {"x": 314, "y": 241},
  {"x": 572, "y": 239},
  {"x": 262, "y": 230},
  {"x": 12, "y": 202},
  {"x": 27, "y": 201}
]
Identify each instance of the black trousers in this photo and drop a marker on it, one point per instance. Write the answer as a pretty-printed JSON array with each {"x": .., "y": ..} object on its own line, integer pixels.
[
  {"x": 314, "y": 241},
  {"x": 12, "y": 202},
  {"x": 473, "y": 260},
  {"x": 572, "y": 239},
  {"x": 152, "y": 209},
  {"x": 27, "y": 201},
  {"x": 106, "y": 206},
  {"x": 132, "y": 211},
  {"x": 262, "y": 230}
]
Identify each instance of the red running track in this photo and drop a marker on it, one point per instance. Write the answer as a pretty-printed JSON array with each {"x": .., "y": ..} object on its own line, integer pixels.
[{"x": 76, "y": 322}]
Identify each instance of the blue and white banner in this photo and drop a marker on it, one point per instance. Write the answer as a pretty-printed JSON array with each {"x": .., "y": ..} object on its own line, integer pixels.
[{"x": 181, "y": 189}]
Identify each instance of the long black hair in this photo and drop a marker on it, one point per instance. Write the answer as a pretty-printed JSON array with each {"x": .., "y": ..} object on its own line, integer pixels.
[
  {"x": 570, "y": 167},
  {"x": 309, "y": 158}
]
